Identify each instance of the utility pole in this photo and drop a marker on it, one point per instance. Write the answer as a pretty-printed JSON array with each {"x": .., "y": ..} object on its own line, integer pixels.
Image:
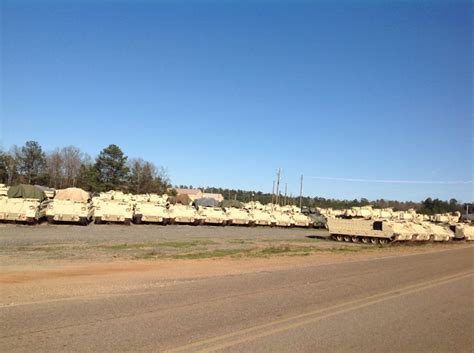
[
  {"x": 278, "y": 187},
  {"x": 286, "y": 190},
  {"x": 273, "y": 191},
  {"x": 301, "y": 191}
]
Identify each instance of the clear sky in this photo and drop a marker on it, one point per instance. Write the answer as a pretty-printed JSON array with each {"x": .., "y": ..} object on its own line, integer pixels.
[{"x": 222, "y": 93}]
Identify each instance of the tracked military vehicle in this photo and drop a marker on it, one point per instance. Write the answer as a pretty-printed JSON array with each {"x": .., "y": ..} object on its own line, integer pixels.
[
  {"x": 259, "y": 215},
  {"x": 463, "y": 231},
  {"x": 3, "y": 190},
  {"x": 114, "y": 206},
  {"x": 235, "y": 212},
  {"x": 70, "y": 205},
  {"x": 317, "y": 219},
  {"x": 298, "y": 219},
  {"x": 362, "y": 230},
  {"x": 184, "y": 214},
  {"x": 438, "y": 232},
  {"x": 151, "y": 209},
  {"x": 210, "y": 211},
  {"x": 23, "y": 203}
]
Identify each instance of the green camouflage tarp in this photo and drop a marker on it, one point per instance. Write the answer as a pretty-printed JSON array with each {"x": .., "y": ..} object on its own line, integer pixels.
[
  {"x": 230, "y": 203},
  {"x": 26, "y": 192},
  {"x": 206, "y": 202}
]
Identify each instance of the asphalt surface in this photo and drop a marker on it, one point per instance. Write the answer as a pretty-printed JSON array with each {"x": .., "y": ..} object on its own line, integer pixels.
[{"x": 410, "y": 303}]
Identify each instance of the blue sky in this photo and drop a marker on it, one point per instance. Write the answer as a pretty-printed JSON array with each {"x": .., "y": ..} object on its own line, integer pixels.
[{"x": 222, "y": 93}]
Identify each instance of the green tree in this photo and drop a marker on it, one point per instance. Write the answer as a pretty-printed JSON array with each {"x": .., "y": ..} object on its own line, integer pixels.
[
  {"x": 8, "y": 168},
  {"x": 87, "y": 178},
  {"x": 32, "y": 162},
  {"x": 145, "y": 177},
  {"x": 112, "y": 171}
]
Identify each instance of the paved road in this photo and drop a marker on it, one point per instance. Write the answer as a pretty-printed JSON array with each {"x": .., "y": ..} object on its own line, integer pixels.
[{"x": 412, "y": 303}]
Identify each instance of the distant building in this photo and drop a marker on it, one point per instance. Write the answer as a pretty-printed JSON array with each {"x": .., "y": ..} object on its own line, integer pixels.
[
  {"x": 192, "y": 193},
  {"x": 217, "y": 197},
  {"x": 198, "y": 194}
]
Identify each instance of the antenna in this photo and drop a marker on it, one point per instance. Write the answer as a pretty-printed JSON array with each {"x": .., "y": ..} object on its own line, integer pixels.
[
  {"x": 278, "y": 187},
  {"x": 301, "y": 191}
]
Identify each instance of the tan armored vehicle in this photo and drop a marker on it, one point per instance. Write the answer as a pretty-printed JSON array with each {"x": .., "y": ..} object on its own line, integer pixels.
[
  {"x": 419, "y": 231},
  {"x": 3, "y": 190},
  {"x": 438, "y": 232},
  {"x": 210, "y": 211},
  {"x": 151, "y": 209},
  {"x": 259, "y": 215},
  {"x": 114, "y": 206},
  {"x": 70, "y": 205},
  {"x": 463, "y": 231},
  {"x": 329, "y": 212},
  {"x": 382, "y": 213},
  {"x": 235, "y": 213},
  {"x": 23, "y": 203},
  {"x": 448, "y": 218},
  {"x": 359, "y": 212},
  {"x": 282, "y": 219},
  {"x": 358, "y": 229},
  {"x": 213, "y": 215},
  {"x": 301, "y": 220},
  {"x": 184, "y": 214},
  {"x": 297, "y": 218},
  {"x": 238, "y": 216}
]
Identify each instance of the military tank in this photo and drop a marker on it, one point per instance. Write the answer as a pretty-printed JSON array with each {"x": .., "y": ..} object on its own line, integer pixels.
[
  {"x": 70, "y": 205},
  {"x": 23, "y": 203},
  {"x": 113, "y": 206},
  {"x": 151, "y": 208}
]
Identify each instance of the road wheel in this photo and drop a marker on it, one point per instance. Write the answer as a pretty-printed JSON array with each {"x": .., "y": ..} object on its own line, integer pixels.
[
  {"x": 374, "y": 241},
  {"x": 339, "y": 237},
  {"x": 347, "y": 238},
  {"x": 127, "y": 221},
  {"x": 83, "y": 221},
  {"x": 31, "y": 221},
  {"x": 50, "y": 219},
  {"x": 137, "y": 219},
  {"x": 98, "y": 220},
  {"x": 355, "y": 239},
  {"x": 383, "y": 241}
]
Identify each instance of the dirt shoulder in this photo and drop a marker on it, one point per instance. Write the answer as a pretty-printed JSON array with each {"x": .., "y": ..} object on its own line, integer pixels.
[{"x": 69, "y": 281}]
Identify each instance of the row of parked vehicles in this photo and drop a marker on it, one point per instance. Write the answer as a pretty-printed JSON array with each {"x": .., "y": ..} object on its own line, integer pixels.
[
  {"x": 383, "y": 226},
  {"x": 31, "y": 204}
]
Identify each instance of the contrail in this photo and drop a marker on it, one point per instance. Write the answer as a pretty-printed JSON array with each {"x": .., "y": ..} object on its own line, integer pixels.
[{"x": 391, "y": 181}]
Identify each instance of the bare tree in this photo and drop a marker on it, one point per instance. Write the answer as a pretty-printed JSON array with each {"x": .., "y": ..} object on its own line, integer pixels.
[
  {"x": 55, "y": 162},
  {"x": 72, "y": 158},
  {"x": 64, "y": 166}
]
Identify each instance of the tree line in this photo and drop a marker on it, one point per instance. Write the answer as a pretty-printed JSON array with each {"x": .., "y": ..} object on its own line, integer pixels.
[
  {"x": 428, "y": 206},
  {"x": 70, "y": 167}
]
